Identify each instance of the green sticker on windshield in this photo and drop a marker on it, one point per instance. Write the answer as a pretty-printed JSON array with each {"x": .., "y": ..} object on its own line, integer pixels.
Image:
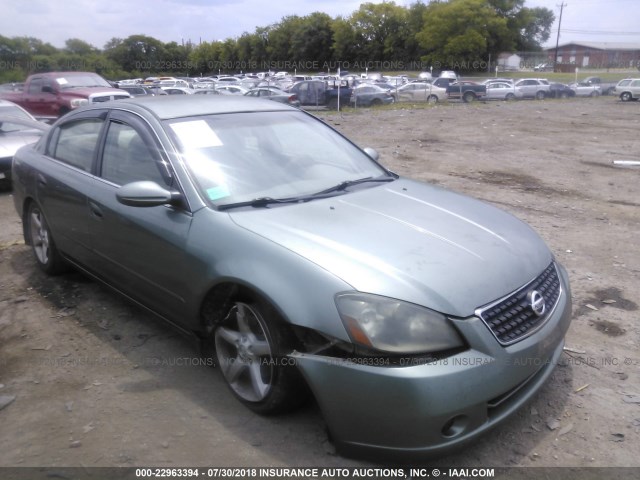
[{"x": 216, "y": 193}]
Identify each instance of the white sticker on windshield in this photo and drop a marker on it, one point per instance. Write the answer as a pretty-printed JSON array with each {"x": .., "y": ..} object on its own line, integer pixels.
[
  {"x": 196, "y": 134},
  {"x": 62, "y": 81}
]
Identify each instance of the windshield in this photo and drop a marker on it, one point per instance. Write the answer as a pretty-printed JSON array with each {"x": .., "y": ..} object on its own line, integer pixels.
[
  {"x": 240, "y": 157},
  {"x": 84, "y": 80}
]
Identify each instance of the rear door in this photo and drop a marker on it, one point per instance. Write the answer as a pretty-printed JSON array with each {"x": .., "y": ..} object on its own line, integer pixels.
[
  {"x": 63, "y": 182},
  {"x": 139, "y": 250}
]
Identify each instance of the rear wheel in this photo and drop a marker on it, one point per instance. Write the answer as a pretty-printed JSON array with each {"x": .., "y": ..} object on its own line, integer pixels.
[
  {"x": 595, "y": 93},
  {"x": 251, "y": 346},
  {"x": 376, "y": 102},
  {"x": 509, "y": 97},
  {"x": 564, "y": 95},
  {"x": 540, "y": 95},
  {"x": 432, "y": 99},
  {"x": 42, "y": 244},
  {"x": 468, "y": 97},
  {"x": 332, "y": 104}
]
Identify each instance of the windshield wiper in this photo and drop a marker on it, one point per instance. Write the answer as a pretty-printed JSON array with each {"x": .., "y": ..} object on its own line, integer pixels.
[
  {"x": 261, "y": 202},
  {"x": 265, "y": 201},
  {"x": 349, "y": 183}
]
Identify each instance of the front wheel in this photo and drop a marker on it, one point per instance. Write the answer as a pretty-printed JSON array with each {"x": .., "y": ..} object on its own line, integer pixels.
[
  {"x": 432, "y": 99},
  {"x": 251, "y": 347},
  {"x": 595, "y": 93},
  {"x": 625, "y": 96},
  {"x": 540, "y": 95},
  {"x": 42, "y": 244},
  {"x": 510, "y": 97},
  {"x": 468, "y": 97}
]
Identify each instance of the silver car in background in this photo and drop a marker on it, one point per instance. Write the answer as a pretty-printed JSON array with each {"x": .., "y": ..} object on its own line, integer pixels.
[
  {"x": 17, "y": 129},
  {"x": 503, "y": 91},
  {"x": 417, "y": 317}
]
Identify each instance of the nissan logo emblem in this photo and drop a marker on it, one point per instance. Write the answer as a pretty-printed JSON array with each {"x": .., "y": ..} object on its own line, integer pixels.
[{"x": 536, "y": 300}]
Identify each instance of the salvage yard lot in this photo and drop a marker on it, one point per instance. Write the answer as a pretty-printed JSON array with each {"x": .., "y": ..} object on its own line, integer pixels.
[{"x": 97, "y": 382}]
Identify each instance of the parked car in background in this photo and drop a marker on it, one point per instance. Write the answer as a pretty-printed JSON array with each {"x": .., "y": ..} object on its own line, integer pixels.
[
  {"x": 543, "y": 67},
  {"x": 17, "y": 129},
  {"x": 466, "y": 91},
  {"x": 12, "y": 87},
  {"x": 583, "y": 89},
  {"x": 502, "y": 91},
  {"x": 370, "y": 95},
  {"x": 448, "y": 74},
  {"x": 560, "y": 90},
  {"x": 274, "y": 95},
  {"x": 229, "y": 81},
  {"x": 50, "y": 95},
  {"x": 179, "y": 90},
  {"x": 628, "y": 89},
  {"x": 417, "y": 317},
  {"x": 537, "y": 88},
  {"x": 231, "y": 89},
  {"x": 207, "y": 91},
  {"x": 606, "y": 88},
  {"x": 139, "y": 90},
  {"x": 421, "y": 92},
  {"x": 322, "y": 93}
]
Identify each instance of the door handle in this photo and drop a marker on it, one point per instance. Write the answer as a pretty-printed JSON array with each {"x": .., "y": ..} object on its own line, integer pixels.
[
  {"x": 42, "y": 181},
  {"x": 96, "y": 211}
]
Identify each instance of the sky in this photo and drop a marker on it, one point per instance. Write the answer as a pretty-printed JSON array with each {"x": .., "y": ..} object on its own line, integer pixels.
[{"x": 97, "y": 22}]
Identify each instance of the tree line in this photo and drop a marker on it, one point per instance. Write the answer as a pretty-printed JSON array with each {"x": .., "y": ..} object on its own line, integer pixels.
[{"x": 454, "y": 34}]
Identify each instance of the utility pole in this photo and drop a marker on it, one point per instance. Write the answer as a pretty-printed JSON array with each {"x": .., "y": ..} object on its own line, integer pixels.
[{"x": 555, "y": 60}]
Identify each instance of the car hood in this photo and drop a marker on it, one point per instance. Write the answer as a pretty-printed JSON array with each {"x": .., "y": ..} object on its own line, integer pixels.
[{"x": 411, "y": 241}]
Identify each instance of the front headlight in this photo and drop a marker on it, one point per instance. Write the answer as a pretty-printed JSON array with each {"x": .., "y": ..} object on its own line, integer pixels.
[
  {"x": 395, "y": 326},
  {"x": 78, "y": 102}
]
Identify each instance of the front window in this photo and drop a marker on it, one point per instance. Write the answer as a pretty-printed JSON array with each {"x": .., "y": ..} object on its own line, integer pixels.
[{"x": 241, "y": 157}]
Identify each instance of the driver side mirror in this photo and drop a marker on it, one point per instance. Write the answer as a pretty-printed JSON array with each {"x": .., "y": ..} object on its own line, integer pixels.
[
  {"x": 146, "y": 194},
  {"x": 372, "y": 153}
]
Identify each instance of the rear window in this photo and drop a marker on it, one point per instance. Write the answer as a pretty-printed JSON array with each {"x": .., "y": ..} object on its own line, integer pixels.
[{"x": 75, "y": 143}]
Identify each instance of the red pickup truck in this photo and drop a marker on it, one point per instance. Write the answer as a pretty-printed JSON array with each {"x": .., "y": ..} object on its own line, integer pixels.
[{"x": 48, "y": 96}]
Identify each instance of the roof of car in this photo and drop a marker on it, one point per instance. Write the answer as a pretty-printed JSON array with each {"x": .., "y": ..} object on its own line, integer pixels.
[{"x": 178, "y": 106}]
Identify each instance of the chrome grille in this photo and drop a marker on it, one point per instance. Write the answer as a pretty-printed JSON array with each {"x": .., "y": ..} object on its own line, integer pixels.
[{"x": 512, "y": 318}]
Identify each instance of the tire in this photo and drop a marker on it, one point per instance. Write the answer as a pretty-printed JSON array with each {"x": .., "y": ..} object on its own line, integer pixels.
[
  {"x": 251, "y": 346},
  {"x": 42, "y": 244},
  {"x": 332, "y": 104},
  {"x": 564, "y": 95},
  {"x": 625, "y": 96},
  {"x": 540, "y": 95},
  {"x": 594, "y": 94},
  {"x": 510, "y": 97},
  {"x": 376, "y": 102},
  {"x": 432, "y": 99},
  {"x": 63, "y": 111},
  {"x": 468, "y": 97}
]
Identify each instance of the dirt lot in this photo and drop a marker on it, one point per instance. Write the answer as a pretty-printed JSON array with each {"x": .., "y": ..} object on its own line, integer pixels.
[{"x": 97, "y": 382}]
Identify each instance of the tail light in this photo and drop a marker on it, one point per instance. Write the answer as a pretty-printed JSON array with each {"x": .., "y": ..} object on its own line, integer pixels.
[{"x": 292, "y": 98}]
